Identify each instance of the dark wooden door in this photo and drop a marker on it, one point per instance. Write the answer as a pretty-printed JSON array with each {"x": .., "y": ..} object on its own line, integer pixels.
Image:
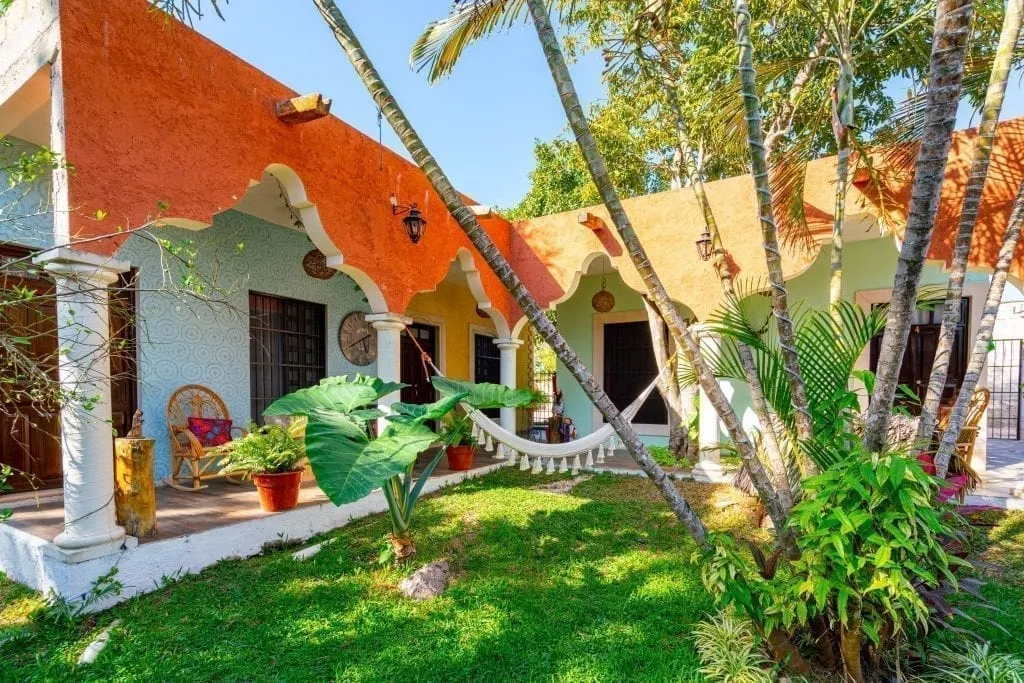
[
  {"x": 30, "y": 429},
  {"x": 413, "y": 373},
  {"x": 486, "y": 364},
  {"x": 629, "y": 367},
  {"x": 919, "y": 354}
]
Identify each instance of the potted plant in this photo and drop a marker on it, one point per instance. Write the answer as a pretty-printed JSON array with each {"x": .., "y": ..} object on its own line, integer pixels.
[
  {"x": 457, "y": 432},
  {"x": 273, "y": 456}
]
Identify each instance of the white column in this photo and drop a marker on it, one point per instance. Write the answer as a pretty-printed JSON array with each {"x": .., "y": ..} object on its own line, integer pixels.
[
  {"x": 709, "y": 465},
  {"x": 87, "y": 445},
  {"x": 508, "y": 347},
  {"x": 389, "y": 328}
]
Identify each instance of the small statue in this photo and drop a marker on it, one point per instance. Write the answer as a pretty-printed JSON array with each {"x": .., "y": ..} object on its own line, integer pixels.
[{"x": 136, "y": 431}]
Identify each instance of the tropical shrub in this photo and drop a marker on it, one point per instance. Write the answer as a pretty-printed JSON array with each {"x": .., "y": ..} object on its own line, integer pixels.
[
  {"x": 730, "y": 651},
  {"x": 349, "y": 461},
  {"x": 5, "y": 473},
  {"x": 871, "y": 555},
  {"x": 270, "y": 449}
]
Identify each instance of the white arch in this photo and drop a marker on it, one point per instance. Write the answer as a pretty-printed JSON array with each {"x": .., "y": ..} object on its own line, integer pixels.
[
  {"x": 467, "y": 265},
  {"x": 577, "y": 279},
  {"x": 295, "y": 191}
]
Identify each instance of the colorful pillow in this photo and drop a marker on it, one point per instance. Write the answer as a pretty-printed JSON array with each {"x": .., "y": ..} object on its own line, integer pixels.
[{"x": 210, "y": 431}]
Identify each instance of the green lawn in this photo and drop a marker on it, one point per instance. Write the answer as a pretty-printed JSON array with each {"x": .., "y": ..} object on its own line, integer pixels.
[{"x": 596, "y": 585}]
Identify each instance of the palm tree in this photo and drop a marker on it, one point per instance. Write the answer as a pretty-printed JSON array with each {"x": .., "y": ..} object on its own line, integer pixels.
[
  {"x": 952, "y": 27},
  {"x": 769, "y": 232},
  {"x": 656, "y": 291},
  {"x": 499, "y": 264},
  {"x": 981, "y": 343},
  {"x": 980, "y": 160}
]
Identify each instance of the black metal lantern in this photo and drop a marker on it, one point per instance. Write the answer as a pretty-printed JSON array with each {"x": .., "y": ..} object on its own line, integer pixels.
[
  {"x": 705, "y": 246},
  {"x": 414, "y": 221}
]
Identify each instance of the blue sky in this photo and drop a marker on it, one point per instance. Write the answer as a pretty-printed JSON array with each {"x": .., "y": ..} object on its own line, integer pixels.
[{"x": 480, "y": 123}]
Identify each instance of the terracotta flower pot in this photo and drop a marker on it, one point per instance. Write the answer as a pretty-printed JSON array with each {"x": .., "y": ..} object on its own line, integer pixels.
[
  {"x": 278, "y": 491},
  {"x": 460, "y": 458}
]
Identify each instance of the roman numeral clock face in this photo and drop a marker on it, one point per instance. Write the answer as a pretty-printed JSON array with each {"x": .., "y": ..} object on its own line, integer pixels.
[{"x": 358, "y": 339}]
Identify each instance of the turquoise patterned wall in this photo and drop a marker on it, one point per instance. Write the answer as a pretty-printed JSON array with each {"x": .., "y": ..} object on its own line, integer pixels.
[
  {"x": 25, "y": 217},
  {"x": 184, "y": 339}
]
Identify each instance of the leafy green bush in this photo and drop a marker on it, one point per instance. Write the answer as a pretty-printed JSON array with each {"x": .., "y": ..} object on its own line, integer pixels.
[
  {"x": 730, "y": 652},
  {"x": 870, "y": 550},
  {"x": 663, "y": 456},
  {"x": 265, "y": 450}
]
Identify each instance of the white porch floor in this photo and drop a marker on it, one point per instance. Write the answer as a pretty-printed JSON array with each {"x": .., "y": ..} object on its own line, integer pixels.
[{"x": 1003, "y": 481}]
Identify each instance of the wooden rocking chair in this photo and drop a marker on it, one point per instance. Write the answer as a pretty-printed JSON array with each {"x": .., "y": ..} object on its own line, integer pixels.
[
  {"x": 194, "y": 400},
  {"x": 960, "y": 464}
]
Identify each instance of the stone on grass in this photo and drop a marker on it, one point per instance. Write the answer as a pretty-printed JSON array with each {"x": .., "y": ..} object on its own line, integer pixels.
[
  {"x": 562, "y": 486},
  {"x": 428, "y": 581},
  {"x": 94, "y": 649}
]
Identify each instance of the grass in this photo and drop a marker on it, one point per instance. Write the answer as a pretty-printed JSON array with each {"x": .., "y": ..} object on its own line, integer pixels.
[{"x": 594, "y": 585}]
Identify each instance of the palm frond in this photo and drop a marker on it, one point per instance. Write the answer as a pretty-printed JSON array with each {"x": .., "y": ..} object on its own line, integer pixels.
[{"x": 443, "y": 42}]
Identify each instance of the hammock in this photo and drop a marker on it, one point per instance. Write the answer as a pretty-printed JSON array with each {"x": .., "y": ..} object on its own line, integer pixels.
[{"x": 510, "y": 445}]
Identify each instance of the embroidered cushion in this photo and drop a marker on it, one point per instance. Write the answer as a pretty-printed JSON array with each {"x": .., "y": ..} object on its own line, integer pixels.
[{"x": 210, "y": 431}]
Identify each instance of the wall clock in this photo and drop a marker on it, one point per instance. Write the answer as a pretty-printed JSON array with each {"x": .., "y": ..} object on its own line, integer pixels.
[{"x": 358, "y": 339}]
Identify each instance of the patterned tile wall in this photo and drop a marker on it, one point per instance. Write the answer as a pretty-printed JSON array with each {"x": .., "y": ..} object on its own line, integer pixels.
[{"x": 184, "y": 339}]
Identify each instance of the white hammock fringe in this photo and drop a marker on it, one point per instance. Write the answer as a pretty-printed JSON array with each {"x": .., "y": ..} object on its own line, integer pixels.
[
  {"x": 576, "y": 464},
  {"x": 524, "y": 464},
  {"x": 550, "y": 469},
  {"x": 537, "y": 466}
]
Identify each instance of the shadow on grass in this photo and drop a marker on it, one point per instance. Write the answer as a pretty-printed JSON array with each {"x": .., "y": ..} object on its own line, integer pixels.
[{"x": 579, "y": 587}]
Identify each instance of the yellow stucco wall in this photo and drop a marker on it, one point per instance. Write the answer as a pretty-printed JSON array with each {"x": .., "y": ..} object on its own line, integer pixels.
[{"x": 453, "y": 307}]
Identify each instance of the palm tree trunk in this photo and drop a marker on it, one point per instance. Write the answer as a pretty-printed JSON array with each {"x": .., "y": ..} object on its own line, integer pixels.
[
  {"x": 969, "y": 215},
  {"x": 681, "y": 333},
  {"x": 502, "y": 269},
  {"x": 842, "y": 124},
  {"x": 769, "y": 437},
  {"x": 984, "y": 338},
  {"x": 668, "y": 387},
  {"x": 949, "y": 46},
  {"x": 769, "y": 233}
]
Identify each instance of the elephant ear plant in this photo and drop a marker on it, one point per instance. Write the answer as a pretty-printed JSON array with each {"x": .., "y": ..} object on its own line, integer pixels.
[{"x": 350, "y": 461}]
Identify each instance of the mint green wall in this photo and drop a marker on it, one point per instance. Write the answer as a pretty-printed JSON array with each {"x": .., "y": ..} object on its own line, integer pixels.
[
  {"x": 869, "y": 265},
  {"x": 25, "y": 216},
  {"x": 576, "y": 322}
]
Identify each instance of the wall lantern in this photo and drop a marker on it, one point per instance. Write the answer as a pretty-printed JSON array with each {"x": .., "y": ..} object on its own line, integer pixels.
[
  {"x": 414, "y": 222},
  {"x": 705, "y": 246}
]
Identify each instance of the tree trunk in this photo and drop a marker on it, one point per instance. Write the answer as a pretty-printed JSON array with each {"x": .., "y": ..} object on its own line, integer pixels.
[
  {"x": 969, "y": 216},
  {"x": 770, "y": 440},
  {"x": 849, "y": 647},
  {"x": 787, "y": 654},
  {"x": 681, "y": 333},
  {"x": 769, "y": 233},
  {"x": 842, "y": 125},
  {"x": 981, "y": 343},
  {"x": 949, "y": 46},
  {"x": 668, "y": 387},
  {"x": 502, "y": 269}
]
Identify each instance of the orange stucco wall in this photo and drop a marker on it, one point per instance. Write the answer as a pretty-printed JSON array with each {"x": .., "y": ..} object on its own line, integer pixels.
[{"x": 155, "y": 112}]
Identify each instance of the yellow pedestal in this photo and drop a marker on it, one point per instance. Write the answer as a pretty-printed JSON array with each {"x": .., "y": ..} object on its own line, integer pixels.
[{"x": 134, "y": 493}]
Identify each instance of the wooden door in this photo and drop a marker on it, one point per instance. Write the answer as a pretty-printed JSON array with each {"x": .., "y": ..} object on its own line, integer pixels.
[
  {"x": 486, "y": 365},
  {"x": 916, "y": 367},
  {"x": 629, "y": 367},
  {"x": 413, "y": 372},
  {"x": 30, "y": 429}
]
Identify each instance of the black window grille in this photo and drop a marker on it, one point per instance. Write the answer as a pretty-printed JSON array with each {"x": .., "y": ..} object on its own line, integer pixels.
[
  {"x": 629, "y": 367},
  {"x": 287, "y": 348}
]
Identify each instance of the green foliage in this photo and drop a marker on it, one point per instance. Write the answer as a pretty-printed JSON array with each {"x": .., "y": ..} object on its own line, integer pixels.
[
  {"x": 265, "y": 450},
  {"x": 972, "y": 663},
  {"x": 349, "y": 461},
  {"x": 870, "y": 542},
  {"x": 663, "y": 456},
  {"x": 484, "y": 395},
  {"x": 828, "y": 343},
  {"x": 457, "y": 431},
  {"x": 6, "y": 472},
  {"x": 730, "y": 651}
]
